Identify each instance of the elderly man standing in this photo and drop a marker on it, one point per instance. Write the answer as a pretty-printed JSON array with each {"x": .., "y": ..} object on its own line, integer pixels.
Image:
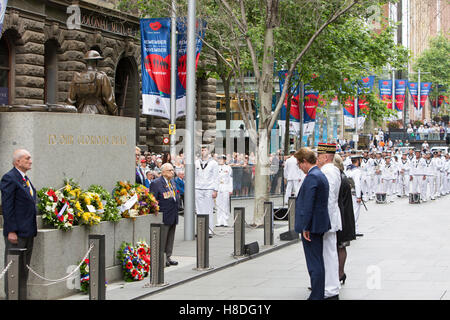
[
  {"x": 326, "y": 152},
  {"x": 164, "y": 190},
  {"x": 19, "y": 213}
]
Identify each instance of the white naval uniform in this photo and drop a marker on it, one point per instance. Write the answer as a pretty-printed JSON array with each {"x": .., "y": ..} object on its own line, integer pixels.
[
  {"x": 429, "y": 172},
  {"x": 388, "y": 177},
  {"x": 366, "y": 168},
  {"x": 206, "y": 182},
  {"x": 376, "y": 183},
  {"x": 330, "y": 255},
  {"x": 294, "y": 177},
  {"x": 447, "y": 177},
  {"x": 355, "y": 173},
  {"x": 417, "y": 174},
  {"x": 437, "y": 166},
  {"x": 403, "y": 177},
  {"x": 223, "y": 195}
]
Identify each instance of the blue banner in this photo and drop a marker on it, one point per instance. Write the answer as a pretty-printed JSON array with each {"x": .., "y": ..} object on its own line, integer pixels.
[
  {"x": 324, "y": 130},
  {"x": 156, "y": 65},
  {"x": 385, "y": 87},
  {"x": 414, "y": 91}
]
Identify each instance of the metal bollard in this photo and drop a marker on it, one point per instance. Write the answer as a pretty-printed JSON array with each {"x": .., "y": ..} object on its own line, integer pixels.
[
  {"x": 97, "y": 267},
  {"x": 156, "y": 256},
  {"x": 268, "y": 223},
  {"x": 239, "y": 232},
  {"x": 291, "y": 217},
  {"x": 202, "y": 243},
  {"x": 16, "y": 281}
]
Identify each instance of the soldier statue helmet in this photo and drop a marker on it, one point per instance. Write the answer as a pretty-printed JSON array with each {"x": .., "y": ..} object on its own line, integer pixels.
[{"x": 91, "y": 90}]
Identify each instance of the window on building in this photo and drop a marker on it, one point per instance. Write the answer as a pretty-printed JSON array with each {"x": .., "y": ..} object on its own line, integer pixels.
[
  {"x": 51, "y": 71},
  {"x": 4, "y": 72}
]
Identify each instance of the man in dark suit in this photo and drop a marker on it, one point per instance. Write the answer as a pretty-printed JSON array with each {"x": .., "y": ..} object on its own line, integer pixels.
[
  {"x": 164, "y": 190},
  {"x": 312, "y": 219},
  {"x": 19, "y": 213}
]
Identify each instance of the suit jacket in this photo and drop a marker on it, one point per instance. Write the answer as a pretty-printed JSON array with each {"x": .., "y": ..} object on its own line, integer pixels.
[
  {"x": 19, "y": 207},
  {"x": 167, "y": 204},
  {"x": 139, "y": 176},
  {"x": 311, "y": 206},
  {"x": 346, "y": 207}
]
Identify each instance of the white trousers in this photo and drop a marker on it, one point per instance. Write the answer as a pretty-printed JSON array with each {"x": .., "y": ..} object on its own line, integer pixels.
[
  {"x": 416, "y": 185},
  {"x": 365, "y": 186},
  {"x": 377, "y": 187},
  {"x": 331, "y": 262},
  {"x": 292, "y": 186},
  {"x": 388, "y": 188},
  {"x": 223, "y": 207},
  {"x": 204, "y": 205},
  {"x": 403, "y": 184},
  {"x": 356, "y": 211}
]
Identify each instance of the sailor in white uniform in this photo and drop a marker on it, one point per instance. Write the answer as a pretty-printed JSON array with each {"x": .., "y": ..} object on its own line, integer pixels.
[
  {"x": 403, "y": 176},
  {"x": 206, "y": 186},
  {"x": 365, "y": 167},
  {"x": 437, "y": 166},
  {"x": 378, "y": 163},
  {"x": 293, "y": 175},
  {"x": 225, "y": 190},
  {"x": 388, "y": 178},
  {"x": 430, "y": 174},
  {"x": 417, "y": 177}
]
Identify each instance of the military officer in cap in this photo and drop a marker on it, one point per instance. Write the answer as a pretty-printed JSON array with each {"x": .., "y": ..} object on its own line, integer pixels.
[
  {"x": 325, "y": 157},
  {"x": 91, "y": 90}
]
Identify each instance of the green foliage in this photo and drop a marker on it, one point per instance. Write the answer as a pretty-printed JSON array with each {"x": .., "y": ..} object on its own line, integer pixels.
[
  {"x": 111, "y": 212},
  {"x": 434, "y": 62}
]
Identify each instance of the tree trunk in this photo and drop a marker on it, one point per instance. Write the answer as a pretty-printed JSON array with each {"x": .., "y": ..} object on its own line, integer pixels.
[{"x": 265, "y": 90}]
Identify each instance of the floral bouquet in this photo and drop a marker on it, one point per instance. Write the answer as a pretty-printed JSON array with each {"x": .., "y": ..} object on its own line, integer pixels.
[
  {"x": 88, "y": 208},
  {"x": 135, "y": 261},
  {"x": 55, "y": 208},
  {"x": 84, "y": 276},
  {"x": 134, "y": 200},
  {"x": 111, "y": 212}
]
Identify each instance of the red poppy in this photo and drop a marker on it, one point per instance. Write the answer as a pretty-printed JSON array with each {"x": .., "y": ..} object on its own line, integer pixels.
[
  {"x": 134, "y": 273},
  {"x": 129, "y": 265}
]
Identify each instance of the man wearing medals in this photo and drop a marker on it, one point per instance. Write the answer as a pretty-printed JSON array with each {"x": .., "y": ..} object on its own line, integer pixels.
[
  {"x": 403, "y": 176},
  {"x": 206, "y": 185},
  {"x": 225, "y": 190},
  {"x": 164, "y": 190}
]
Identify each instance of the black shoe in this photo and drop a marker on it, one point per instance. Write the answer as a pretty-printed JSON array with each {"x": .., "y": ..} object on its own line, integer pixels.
[
  {"x": 171, "y": 262},
  {"x": 359, "y": 234},
  {"x": 336, "y": 297},
  {"x": 167, "y": 264},
  {"x": 343, "y": 278},
  {"x": 309, "y": 288},
  {"x": 210, "y": 236}
]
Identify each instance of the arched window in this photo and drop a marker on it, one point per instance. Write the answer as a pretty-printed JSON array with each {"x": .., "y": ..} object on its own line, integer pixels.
[
  {"x": 4, "y": 72},
  {"x": 51, "y": 71}
]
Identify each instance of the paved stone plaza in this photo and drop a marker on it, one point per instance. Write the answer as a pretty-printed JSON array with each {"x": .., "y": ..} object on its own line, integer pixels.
[{"x": 404, "y": 254}]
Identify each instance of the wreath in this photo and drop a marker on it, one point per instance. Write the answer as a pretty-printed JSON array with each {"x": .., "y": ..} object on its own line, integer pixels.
[
  {"x": 111, "y": 212},
  {"x": 55, "y": 208},
  {"x": 134, "y": 200},
  {"x": 84, "y": 276},
  {"x": 135, "y": 261}
]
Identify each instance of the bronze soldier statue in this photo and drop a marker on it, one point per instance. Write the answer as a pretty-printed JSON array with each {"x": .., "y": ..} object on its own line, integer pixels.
[{"x": 90, "y": 90}]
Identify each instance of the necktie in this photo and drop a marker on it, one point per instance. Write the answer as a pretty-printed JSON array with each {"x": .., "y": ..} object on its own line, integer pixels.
[{"x": 29, "y": 185}]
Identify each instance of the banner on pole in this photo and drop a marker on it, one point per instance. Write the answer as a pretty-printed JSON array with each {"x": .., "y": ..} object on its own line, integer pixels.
[
  {"x": 349, "y": 112},
  {"x": 385, "y": 87},
  {"x": 294, "y": 117},
  {"x": 425, "y": 88},
  {"x": 311, "y": 102},
  {"x": 365, "y": 86},
  {"x": 400, "y": 93},
  {"x": 156, "y": 65}
]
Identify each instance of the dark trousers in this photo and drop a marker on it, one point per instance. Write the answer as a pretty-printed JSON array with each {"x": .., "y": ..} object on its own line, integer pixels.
[
  {"x": 168, "y": 238},
  {"x": 23, "y": 243},
  {"x": 314, "y": 261}
]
